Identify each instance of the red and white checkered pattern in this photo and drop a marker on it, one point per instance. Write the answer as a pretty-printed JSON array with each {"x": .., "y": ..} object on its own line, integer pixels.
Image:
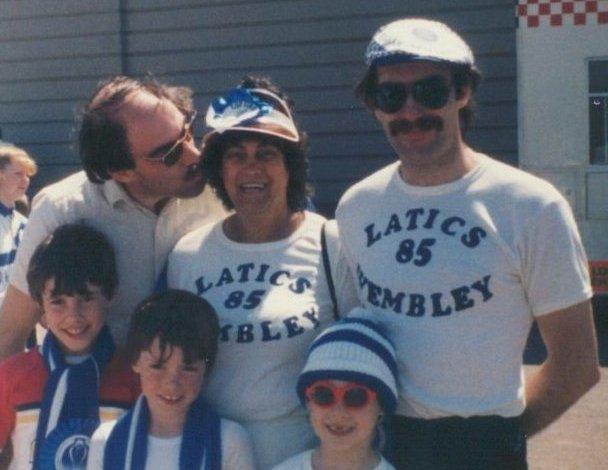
[{"x": 533, "y": 13}]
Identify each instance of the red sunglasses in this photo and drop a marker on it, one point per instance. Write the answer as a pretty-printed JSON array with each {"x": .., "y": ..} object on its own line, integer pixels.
[{"x": 325, "y": 394}]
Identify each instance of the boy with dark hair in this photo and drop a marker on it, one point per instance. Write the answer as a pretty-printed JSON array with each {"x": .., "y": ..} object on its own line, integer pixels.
[
  {"x": 53, "y": 397},
  {"x": 172, "y": 346}
]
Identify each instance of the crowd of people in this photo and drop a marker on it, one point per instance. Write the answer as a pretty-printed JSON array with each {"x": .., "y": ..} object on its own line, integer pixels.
[{"x": 199, "y": 315}]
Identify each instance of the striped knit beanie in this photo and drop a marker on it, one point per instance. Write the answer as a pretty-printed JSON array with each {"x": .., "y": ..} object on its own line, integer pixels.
[{"x": 353, "y": 350}]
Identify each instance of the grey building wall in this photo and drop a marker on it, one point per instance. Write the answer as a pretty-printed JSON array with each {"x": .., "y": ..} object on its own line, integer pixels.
[{"x": 53, "y": 52}]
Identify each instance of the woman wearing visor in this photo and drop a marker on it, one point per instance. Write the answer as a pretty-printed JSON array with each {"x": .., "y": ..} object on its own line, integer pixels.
[{"x": 262, "y": 267}]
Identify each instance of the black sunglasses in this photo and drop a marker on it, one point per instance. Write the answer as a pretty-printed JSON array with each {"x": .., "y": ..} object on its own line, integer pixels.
[
  {"x": 431, "y": 92},
  {"x": 172, "y": 156}
]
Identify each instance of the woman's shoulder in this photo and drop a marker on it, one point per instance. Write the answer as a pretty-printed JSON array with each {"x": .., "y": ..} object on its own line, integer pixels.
[
  {"x": 194, "y": 239},
  {"x": 313, "y": 221}
]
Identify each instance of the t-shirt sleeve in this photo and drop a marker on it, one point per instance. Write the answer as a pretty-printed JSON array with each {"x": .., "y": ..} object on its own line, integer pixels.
[
  {"x": 555, "y": 267},
  {"x": 344, "y": 282},
  {"x": 98, "y": 444},
  {"x": 237, "y": 451},
  {"x": 44, "y": 219}
]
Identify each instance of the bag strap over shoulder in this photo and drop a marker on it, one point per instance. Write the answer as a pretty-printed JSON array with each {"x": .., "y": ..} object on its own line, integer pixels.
[{"x": 327, "y": 266}]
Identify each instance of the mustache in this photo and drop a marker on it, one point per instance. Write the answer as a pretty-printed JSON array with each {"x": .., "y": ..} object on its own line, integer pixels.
[{"x": 424, "y": 123}]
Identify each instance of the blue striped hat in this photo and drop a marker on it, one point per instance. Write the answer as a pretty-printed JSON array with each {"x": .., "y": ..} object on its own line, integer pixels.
[{"x": 353, "y": 350}]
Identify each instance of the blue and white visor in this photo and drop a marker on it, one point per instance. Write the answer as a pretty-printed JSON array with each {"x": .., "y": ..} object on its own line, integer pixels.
[
  {"x": 251, "y": 110},
  {"x": 414, "y": 39}
]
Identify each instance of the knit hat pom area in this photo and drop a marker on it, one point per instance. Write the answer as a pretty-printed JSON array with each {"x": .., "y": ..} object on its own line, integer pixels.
[{"x": 353, "y": 350}]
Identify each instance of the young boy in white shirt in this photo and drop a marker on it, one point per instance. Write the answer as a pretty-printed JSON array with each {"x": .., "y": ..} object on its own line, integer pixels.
[{"x": 172, "y": 345}]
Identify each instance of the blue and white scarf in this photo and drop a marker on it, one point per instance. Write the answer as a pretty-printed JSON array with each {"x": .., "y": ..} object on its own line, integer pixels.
[
  {"x": 126, "y": 448},
  {"x": 69, "y": 413}
]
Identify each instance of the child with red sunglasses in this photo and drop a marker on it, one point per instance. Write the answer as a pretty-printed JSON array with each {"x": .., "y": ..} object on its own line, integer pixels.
[{"x": 348, "y": 385}]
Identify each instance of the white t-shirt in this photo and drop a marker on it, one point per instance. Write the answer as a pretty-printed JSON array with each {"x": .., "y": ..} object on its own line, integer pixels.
[
  {"x": 141, "y": 239},
  {"x": 12, "y": 224},
  {"x": 163, "y": 453},
  {"x": 303, "y": 461},
  {"x": 272, "y": 300},
  {"x": 457, "y": 273}
]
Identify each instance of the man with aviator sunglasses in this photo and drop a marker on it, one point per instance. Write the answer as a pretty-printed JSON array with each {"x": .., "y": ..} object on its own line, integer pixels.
[
  {"x": 142, "y": 186},
  {"x": 457, "y": 255}
]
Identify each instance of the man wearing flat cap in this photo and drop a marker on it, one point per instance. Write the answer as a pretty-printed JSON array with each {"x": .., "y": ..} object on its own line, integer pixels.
[{"x": 457, "y": 254}]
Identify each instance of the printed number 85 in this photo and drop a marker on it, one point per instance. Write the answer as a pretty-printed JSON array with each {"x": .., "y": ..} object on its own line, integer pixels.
[{"x": 420, "y": 255}]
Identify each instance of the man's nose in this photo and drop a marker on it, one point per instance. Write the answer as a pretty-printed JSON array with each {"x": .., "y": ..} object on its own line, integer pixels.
[{"x": 190, "y": 153}]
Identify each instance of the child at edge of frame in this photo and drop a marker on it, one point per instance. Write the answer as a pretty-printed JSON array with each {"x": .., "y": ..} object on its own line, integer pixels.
[
  {"x": 53, "y": 397},
  {"x": 349, "y": 388},
  {"x": 172, "y": 346}
]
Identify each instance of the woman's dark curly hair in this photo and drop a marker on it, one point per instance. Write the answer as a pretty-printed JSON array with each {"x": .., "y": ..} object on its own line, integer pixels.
[{"x": 294, "y": 153}]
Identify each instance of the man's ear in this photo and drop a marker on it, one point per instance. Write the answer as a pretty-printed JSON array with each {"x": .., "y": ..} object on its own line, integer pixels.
[
  {"x": 464, "y": 96},
  {"x": 122, "y": 176}
]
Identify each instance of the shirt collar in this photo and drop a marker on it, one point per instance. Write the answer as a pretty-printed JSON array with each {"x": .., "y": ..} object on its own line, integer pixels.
[
  {"x": 115, "y": 193},
  {"x": 117, "y": 196}
]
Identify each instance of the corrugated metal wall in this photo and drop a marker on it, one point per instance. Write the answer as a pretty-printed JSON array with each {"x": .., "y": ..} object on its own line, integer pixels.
[{"x": 53, "y": 52}]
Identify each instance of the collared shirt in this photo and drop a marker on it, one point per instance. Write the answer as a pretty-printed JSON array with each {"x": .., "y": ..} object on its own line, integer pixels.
[{"x": 141, "y": 239}]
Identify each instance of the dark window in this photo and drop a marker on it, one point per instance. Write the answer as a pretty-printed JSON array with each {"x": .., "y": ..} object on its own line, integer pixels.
[{"x": 598, "y": 112}]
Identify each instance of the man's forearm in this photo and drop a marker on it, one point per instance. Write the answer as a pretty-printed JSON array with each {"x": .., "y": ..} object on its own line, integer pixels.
[
  {"x": 18, "y": 318},
  {"x": 570, "y": 370},
  {"x": 550, "y": 393}
]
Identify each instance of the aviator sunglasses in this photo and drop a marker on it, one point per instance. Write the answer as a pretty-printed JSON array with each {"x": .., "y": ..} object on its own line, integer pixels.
[
  {"x": 172, "y": 156},
  {"x": 432, "y": 92},
  {"x": 352, "y": 395}
]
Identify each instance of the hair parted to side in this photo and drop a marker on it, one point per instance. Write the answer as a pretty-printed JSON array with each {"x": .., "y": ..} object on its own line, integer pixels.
[
  {"x": 463, "y": 76},
  {"x": 11, "y": 154},
  {"x": 294, "y": 153},
  {"x": 102, "y": 140},
  {"x": 178, "y": 319},
  {"x": 74, "y": 255}
]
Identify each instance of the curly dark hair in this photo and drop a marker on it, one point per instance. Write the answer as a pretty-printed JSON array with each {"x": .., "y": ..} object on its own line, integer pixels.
[
  {"x": 462, "y": 76},
  {"x": 294, "y": 153},
  {"x": 102, "y": 139}
]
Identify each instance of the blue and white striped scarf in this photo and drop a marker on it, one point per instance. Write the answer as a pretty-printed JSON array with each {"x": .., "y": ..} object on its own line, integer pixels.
[
  {"x": 126, "y": 447},
  {"x": 69, "y": 412}
]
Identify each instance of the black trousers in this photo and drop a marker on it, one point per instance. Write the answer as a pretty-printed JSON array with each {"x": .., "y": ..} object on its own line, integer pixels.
[{"x": 476, "y": 443}]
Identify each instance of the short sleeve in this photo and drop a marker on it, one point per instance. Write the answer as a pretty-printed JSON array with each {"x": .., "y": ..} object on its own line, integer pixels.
[
  {"x": 237, "y": 451},
  {"x": 44, "y": 219},
  {"x": 98, "y": 444},
  {"x": 555, "y": 267}
]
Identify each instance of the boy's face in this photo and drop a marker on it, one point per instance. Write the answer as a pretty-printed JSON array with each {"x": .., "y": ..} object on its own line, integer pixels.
[
  {"x": 169, "y": 385},
  {"x": 75, "y": 320}
]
